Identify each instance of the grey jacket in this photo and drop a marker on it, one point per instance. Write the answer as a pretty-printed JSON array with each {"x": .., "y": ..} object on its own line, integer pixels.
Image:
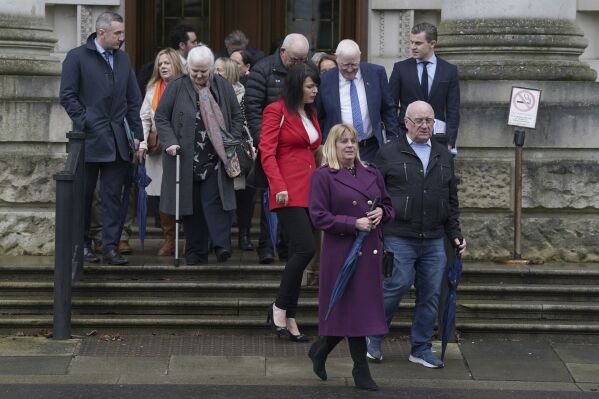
[{"x": 175, "y": 124}]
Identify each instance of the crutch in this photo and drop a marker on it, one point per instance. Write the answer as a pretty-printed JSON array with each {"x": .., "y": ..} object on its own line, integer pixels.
[{"x": 177, "y": 219}]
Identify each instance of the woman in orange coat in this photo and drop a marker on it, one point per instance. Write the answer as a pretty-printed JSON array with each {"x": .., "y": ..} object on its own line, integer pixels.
[{"x": 290, "y": 135}]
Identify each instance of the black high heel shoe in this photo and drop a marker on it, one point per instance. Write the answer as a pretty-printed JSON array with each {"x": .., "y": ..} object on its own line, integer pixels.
[
  {"x": 282, "y": 332},
  {"x": 298, "y": 337}
]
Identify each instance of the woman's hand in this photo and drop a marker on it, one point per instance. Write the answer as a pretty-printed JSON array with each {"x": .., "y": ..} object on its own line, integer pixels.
[
  {"x": 363, "y": 224},
  {"x": 375, "y": 216},
  {"x": 172, "y": 150},
  {"x": 282, "y": 198}
]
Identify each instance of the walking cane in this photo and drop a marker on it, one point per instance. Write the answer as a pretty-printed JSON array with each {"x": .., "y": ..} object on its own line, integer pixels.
[{"x": 177, "y": 221}]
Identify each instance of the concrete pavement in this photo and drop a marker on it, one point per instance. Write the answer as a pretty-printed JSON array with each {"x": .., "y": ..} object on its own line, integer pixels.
[{"x": 486, "y": 364}]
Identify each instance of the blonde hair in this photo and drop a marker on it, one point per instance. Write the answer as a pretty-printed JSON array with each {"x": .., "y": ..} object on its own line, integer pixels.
[
  {"x": 173, "y": 57},
  {"x": 231, "y": 71},
  {"x": 329, "y": 149}
]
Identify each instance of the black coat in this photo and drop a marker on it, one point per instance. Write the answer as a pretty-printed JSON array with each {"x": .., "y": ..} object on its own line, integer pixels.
[
  {"x": 444, "y": 96},
  {"x": 175, "y": 124},
  {"x": 426, "y": 206},
  {"x": 263, "y": 87},
  {"x": 98, "y": 99}
]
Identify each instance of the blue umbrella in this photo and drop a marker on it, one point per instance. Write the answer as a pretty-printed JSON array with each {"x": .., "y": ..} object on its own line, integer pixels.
[
  {"x": 271, "y": 218},
  {"x": 143, "y": 181},
  {"x": 453, "y": 276},
  {"x": 349, "y": 266}
]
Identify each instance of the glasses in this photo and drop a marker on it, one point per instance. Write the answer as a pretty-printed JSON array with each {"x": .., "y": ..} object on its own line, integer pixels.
[
  {"x": 421, "y": 121},
  {"x": 295, "y": 60},
  {"x": 352, "y": 65}
]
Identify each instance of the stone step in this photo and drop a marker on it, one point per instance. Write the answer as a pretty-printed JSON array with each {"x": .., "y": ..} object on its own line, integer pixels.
[
  {"x": 235, "y": 307},
  {"x": 84, "y": 324}
]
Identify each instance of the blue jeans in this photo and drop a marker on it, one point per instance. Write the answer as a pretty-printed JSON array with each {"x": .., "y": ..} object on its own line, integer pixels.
[{"x": 422, "y": 261}]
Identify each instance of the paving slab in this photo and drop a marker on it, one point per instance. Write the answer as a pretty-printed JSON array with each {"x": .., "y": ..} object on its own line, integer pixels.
[
  {"x": 339, "y": 367},
  {"x": 34, "y": 365},
  {"x": 217, "y": 365},
  {"x": 503, "y": 360},
  {"x": 583, "y": 372},
  {"x": 118, "y": 366},
  {"x": 391, "y": 368},
  {"x": 577, "y": 353},
  {"x": 37, "y": 346},
  {"x": 589, "y": 387}
]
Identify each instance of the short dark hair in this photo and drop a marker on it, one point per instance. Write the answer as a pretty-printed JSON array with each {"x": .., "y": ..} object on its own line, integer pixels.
[
  {"x": 429, "y": 29},
  {"x": 179, "y": 35},
  {"x": 293, "y": 90},
  {"x": 247, "y": 58},
  {"x": 236, "y": 37},
  {"x": 106, "y": 19}
]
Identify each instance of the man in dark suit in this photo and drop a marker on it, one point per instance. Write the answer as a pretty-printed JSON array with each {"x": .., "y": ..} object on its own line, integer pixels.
[
  {"x": 357, "y": 94},
  {"x": 440, "y": 88},
  {"x": 99, "y": 91}
]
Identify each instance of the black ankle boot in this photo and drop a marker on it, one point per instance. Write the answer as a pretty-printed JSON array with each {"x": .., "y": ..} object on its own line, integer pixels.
[
  {"x": 245, "y": 244},
  {"x": 361, "y": 372},
  {"x": 362, "y": 378},
  {"x": 318, "y": 354}
]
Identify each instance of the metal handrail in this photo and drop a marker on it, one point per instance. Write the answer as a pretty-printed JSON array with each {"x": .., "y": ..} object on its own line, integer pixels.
[{"x": 68, "y": 234}]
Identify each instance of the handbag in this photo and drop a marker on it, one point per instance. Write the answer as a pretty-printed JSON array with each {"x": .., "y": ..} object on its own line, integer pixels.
[
  {"x": 256, "y": 177},
  {"x": 154, "y": 146}
]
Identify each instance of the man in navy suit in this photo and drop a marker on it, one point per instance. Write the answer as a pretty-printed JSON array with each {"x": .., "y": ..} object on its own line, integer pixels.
[
  {"x": 99, "y": 91},
  {"x": 441, "y": 88},
  {"x": 357, "y": 93}
]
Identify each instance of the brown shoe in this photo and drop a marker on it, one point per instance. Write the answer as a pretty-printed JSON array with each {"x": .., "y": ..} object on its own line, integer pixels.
[
  {"x": 167, "y": 223},
  {"x": 98, "y": 247},
  {"x": 124, "y": 247}
]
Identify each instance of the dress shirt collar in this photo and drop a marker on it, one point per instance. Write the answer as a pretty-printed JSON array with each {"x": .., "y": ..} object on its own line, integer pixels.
[
  {"x": 356, "y": 79},
  {"x": 101, "y": 49},
  {"x": 410, "y": 141},
  {"x": 432, "y": 60}
]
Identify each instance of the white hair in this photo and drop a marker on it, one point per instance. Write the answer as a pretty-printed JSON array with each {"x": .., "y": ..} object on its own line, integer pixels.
[
  {"x": 201, "y": 55},
  {"x": 293, "y": 40},
  {"x": 348, "y": 48}
]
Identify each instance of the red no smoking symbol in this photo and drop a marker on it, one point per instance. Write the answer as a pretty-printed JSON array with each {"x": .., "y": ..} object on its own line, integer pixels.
[{"x": 524, "y": 101}]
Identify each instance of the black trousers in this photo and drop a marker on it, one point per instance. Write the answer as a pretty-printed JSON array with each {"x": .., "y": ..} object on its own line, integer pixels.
[
  {"x": 296, "y": 225},
  {"x": 112, "y": 178},
  {"x": 246, "y": 199},
  {"x": 209, "y": 221}
]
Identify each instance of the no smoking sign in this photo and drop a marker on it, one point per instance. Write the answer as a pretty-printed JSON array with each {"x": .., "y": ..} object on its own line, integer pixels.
[{"x": 524, "y": 106}]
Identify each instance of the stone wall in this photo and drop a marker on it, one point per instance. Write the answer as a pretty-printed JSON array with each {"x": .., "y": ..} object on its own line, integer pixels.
[{"x": 560, "y": 177}]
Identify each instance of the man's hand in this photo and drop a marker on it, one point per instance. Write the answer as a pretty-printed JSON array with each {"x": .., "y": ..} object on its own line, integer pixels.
[
  {"x": 460, "y": 246},
  {"x": 141, "y": 155}
]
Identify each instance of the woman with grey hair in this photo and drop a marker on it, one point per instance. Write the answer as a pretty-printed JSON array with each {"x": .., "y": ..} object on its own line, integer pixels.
[{"x": 197, "y": 115}]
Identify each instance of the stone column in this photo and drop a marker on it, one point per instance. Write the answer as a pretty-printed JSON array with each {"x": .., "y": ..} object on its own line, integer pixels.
[
  {"x": 527, "y": 43},
  {"x": 513, "y": 39},
  {"x": 32, "y": 128}
]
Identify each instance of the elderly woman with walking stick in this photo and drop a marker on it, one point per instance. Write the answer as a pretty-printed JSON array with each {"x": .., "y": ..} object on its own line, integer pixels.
[
  {"x": 342, "y": 194},
  {"x": 197, "y": 115}
]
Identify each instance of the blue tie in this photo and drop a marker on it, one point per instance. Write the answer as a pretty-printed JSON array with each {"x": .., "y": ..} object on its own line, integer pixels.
[
  {"x": 356, "y": 113},
  {"x": 107, "y": 56}
]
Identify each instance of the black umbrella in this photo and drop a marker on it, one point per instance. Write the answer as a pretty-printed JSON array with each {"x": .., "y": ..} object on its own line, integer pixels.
[{"x": 453, "y": 276}]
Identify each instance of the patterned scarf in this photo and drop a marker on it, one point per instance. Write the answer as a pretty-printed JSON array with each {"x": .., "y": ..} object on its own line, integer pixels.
[{"x": 215, "y": 127}]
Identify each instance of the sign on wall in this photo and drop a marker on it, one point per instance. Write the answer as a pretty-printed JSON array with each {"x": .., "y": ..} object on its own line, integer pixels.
[{"x": 524, "y": 106}]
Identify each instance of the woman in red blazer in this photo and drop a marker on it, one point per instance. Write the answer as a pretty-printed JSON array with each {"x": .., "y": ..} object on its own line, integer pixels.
[{"x": 290, "y": 135}]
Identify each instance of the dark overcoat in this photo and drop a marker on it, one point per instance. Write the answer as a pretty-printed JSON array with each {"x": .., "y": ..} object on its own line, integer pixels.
[
  {"x": 175, "y": 124},
  {"x": 337, "y": 199},
  {"x": 98, "y": 99}
]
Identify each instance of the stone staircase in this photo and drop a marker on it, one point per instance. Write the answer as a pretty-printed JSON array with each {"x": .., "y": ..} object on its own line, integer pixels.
[{"x": 152, "y": 295}]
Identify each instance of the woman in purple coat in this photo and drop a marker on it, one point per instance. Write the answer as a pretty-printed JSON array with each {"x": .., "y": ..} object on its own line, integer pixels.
[{"x": 341, "y": 195}]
